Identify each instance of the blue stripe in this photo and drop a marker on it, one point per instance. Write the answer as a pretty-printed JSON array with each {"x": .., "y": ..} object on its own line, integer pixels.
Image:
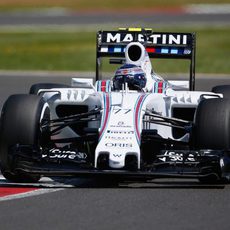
[
  {"x": 156, "y": 87},
  {"x": 158, "y": 50},
  {"x": 99, "y": 86},
  {"x": 107, "y": 85},
  {"x": 135, "y": 107},
  {"x": 164, "y": 51},
  {"x": 174, "y": 51},
  {"x": 181, "y": 51},
  {"x": 117, "y": 49},
  {"x": 103, "y": 117},
  {"x": 111, "y": 49},
  {"x": 104, "y": 114},
  {"x": 139, "y": 112}
]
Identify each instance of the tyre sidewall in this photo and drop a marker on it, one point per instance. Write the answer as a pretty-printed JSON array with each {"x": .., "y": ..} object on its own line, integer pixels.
[
  {"x": 212, "y": 124},
  {"x": 20, "y": 120}
]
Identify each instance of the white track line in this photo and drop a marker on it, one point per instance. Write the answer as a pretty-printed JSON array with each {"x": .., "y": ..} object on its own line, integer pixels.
[{"x": 48, "y": 183}]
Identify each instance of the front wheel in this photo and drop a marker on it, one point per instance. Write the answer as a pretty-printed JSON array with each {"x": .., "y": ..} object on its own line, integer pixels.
[
  {"x": 212, "y": 124},
  {"x": 20, "y": 124},
  {"x": 212, "y": 130}
]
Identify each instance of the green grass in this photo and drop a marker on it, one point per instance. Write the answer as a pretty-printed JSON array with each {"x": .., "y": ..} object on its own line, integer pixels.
[
  {"x": 75, "y": 51},
  {"x": 98, "y": 4},
  {"x": 58, "y": 51}
]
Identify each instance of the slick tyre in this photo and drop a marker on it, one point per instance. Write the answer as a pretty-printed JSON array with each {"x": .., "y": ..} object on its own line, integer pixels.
[
  {"x": 223, "y": 89},
  {"x": 34, "y": 89},
  {"x": 20, "y": 119},
  {"x": 212, "y": 124},
  {"x": 212, "y": 130}
]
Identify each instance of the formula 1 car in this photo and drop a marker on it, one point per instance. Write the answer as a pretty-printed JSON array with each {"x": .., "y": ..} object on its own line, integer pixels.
[{"x": 115, "y": 129}]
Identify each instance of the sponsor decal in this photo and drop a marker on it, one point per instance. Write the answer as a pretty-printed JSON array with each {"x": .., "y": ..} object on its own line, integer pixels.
[
  {"x": 120, "y": 132},
  {"x": 118, "y": 145},
  {"x": 158, "y": 38},
  {"x": 123, "y": 37},
  {"x": 187, "y": 51},
  {"x": 117, "y": 155},
  {"x": 121, "y": 124},
  {"x": 175, "y": 156},
  {"x": 64, "y": 154},
  {"x": 118, "y": 138},
  {"x": 117, "y": 110}
]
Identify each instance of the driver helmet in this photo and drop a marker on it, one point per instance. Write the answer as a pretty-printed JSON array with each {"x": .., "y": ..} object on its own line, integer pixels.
[{"x": 133, "y": 75}]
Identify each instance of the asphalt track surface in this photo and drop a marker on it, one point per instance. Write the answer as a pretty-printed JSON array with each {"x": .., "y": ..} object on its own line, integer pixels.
[
  {"x": 100, "y": 19},
  {"x": 88, "y": 204}
]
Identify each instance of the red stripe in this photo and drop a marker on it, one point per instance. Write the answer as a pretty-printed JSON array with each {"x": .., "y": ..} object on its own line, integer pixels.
[
  {"x": 103, "y": 86},
  {"x": 150, "y": 50},
  {"x": 160, "y": 87},
  {"x": 8, "y": 191}
]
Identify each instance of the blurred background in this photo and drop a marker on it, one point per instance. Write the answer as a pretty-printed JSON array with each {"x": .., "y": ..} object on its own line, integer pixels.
[{"x": 59, "y": 35}]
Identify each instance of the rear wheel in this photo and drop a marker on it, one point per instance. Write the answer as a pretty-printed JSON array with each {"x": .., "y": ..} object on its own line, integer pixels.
[
  {"x": 21, "y": 116},
  {"x": 223, "y": 89}
]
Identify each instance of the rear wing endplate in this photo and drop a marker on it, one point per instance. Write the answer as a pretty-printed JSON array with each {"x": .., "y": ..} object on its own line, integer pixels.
[{"x": 158, "y": 45}]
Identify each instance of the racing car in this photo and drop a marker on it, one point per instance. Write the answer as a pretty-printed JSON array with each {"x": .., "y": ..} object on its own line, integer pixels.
[{"x": 133, "y": 125}]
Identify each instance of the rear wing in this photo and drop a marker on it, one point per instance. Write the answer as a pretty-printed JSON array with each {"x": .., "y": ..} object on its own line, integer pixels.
[{"x": 158, "y": 45}]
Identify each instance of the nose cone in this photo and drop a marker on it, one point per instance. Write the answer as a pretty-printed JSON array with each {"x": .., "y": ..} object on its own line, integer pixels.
[{"x": 117, "y": 160}]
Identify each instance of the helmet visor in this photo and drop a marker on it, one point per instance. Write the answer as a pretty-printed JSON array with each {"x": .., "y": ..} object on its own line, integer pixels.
[{"x": 135, "y": 78}]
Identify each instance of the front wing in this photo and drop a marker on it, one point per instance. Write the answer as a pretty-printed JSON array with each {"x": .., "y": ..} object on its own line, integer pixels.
[{"x": 168, "y": 164}]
